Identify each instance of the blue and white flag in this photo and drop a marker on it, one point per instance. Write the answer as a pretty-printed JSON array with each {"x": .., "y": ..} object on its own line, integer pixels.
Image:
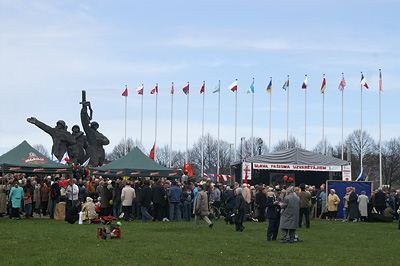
[
  {"x": 86, "y": 162},
  {"x": 54, "y": 158},
  {"x": 65, "y": 158},
  {"x": 360, "y": 177}
]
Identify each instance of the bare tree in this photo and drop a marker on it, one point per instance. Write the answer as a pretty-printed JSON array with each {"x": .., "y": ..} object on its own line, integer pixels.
[
  {"x": 293, "y": 143},
  {"x": 390, "y": 162},
  {"x": 118, "y": 150},
  {"x": 319, "y": 147},
  {"x": 41, "y": 149}
]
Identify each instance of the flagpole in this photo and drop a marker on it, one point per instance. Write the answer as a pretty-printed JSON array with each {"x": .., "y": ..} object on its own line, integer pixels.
[
  {"x": 155, "y": 127},
  {"x": 235, "y": 119},
  {"x": 287, "y": 125},
  {"x": 202, "y": 138},
  {"x": 305, "y": 118},
  {"x": 380, "y": 131},
  {"x": 323, "y": 120},
  {"x": 187, "y": 127},
  {"x": 270, "y": 111},
  {"x": 252, "y": 120},
  {"x": 126, "y": 106},
  {"x": 141, "y": 122},
  {"x": 361, "y": 145},
  {"x": 342, "y": 119},
  {"x": 170, "y": 141},
  {"x": 219, "y": 122}
]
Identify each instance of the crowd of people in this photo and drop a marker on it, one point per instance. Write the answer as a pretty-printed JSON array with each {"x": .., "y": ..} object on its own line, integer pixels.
[{"x": 148, "y": 200}]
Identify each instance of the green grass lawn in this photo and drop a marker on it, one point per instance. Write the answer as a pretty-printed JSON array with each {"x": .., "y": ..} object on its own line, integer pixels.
[{"x": 49, "y": 242}]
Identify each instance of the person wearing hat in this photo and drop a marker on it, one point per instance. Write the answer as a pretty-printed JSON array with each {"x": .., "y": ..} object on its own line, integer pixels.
[
  {"x": 332, "y": 202},
  {"x": 274, "y": 215}
]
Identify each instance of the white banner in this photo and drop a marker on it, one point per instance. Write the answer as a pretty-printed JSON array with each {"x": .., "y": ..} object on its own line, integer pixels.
[
  {"x": 346, "y": 173},
  {"x": 320, "y": 168},
  {"x": 246, "y": 169}
]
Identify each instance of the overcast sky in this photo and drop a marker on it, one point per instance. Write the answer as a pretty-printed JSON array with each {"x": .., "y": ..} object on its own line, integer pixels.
[{"x": 52, "y": 50}]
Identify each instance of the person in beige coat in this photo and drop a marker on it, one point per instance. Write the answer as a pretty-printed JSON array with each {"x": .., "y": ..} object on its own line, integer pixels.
[
  {"x": 200, "y": 208},
  {"x": 127, "y": 196},
  {"x": 332, "y": 202}
]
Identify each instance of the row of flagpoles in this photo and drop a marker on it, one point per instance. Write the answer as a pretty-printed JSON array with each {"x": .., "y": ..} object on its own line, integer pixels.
[{"x": 234, "y": 88}]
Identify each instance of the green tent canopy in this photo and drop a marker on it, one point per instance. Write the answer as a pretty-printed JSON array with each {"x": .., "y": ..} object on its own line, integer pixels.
[
  {"x": 134, "y": 164},
  {"x": 25, "y": 159}
]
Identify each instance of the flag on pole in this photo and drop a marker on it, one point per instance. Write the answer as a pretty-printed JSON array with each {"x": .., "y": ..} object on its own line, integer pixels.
[
  {"x": 189, "y": 169},
  {"x": 125, "y": 93},
  {"x": 269, "y": 87},
  {"x": 152, "y": 152},
  {"x": 184, "y": 166},
  {"x": 203, "y": 87},
  {"x": 54, "y": 158},
  {"x": 342, "y": 84},
  {"x": 217, "y": 88},
  {"x": 380, "y": 81},
  {"x": 139, "y": 90},
  {"x": 360, "y": 176},
  {"x": 155, "y": 90},
  {"x": 172, "y": 89},
  {"x": 65, "y": 158},
  {"x": 286, "y": 85},
  {"x": 186, "y": 89},
  {"x": 86, "y": 162},
  {"x": 323, "y": 87},
  {"x": 305, "y": 83},
  {"x": 251, "y": 89},
  {"x": 363, "y": 82},
  {"x": 233, "y": 86}
]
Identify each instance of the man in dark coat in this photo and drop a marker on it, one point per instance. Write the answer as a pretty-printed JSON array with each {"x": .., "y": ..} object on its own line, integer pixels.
[
  {"x": 145, "y": 201},
  {"x": 73, "y": 213},
  {"x": 305, "y": 204},
  {"x": 290, "y": 215},
  {"x": 239, "y": 210},
  {"x": 105, "y": 195},
  {"x": 159, "y": 202},
  {"x": 274, "y": 214},
  {"x": 117, "y": 197},
  {"x": 380, "y": 201},
  {"x": 229, "y": 202},
  {"x": 353, "y": 207},
  {"x": 261, "y": 201}
]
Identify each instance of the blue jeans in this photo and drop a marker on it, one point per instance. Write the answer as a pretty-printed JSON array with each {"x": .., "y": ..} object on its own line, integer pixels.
[
  {"x": 175, "y": 208},
  {"x": 28, "y": 209},
  {"x": 53, "y": 206},
  {"x": 145, "y": 214},
  {"x": 187, "y": 210},
  {"x": 116, "y": 209},
  {"x": 344, "y": 213}
]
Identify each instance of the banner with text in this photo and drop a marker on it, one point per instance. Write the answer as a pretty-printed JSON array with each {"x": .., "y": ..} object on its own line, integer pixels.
[{"x": 288, "y": 167}]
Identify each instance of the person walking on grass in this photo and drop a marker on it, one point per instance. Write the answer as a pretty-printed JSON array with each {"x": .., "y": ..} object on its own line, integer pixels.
[
  {"x": 145, "y": 201},
  {"x": 200, "y": 208},
  {"x": 290, "y": 216}
]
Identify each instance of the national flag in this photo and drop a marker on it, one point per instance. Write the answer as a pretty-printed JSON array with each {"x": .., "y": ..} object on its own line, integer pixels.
[
  {"x": 251, "y": 89},
  {"x": 233, "y": 86},
  {"x": 172, "y": 89},
  {"x": 125, "y": 93},
  {"x": 380, "y": 81},
  {"x": 54, "y": 158},
  {"x": 184, "y": 166},
  {"x": 305, "y": 83},
  {"x": 363, "y": 82},
  {"x": 360, "y": 176},
  {"x": 65, "y": 158},
  {"x": 155, "y": 90},
  {"x": 152, "y": 152},
  {"x": 323, "y": 87},
  {"x": 203, "y": 88},
  {"x": 217, "y": 88},
  {"x": 225, "y": 178},
  {"x": 189, "y": 168},
  {"x": 342, "y": 84},
  {"x": 186, "y": 89},
  {"x": 286, "y": 85},
  {"x": 269, "y": 87},
  {"x": 86, "y": 162},
  {"x": 139, "y": 90}
]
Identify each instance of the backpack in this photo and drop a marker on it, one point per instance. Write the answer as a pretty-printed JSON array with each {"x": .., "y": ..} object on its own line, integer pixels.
[{"x": 53, "y": 192}]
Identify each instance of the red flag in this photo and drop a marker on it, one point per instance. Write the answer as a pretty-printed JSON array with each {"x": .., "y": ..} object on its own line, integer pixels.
[
  {"x": 125, "y": 93},
  {"x": 203, "y": 87},
  {"x": 152, "y": 152},
  {"x": 189, "y": 168},
  {"x": 172, "y": 89},
  {"x": 184, "y": 166},
  {"x": 155, "y": 90}
]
